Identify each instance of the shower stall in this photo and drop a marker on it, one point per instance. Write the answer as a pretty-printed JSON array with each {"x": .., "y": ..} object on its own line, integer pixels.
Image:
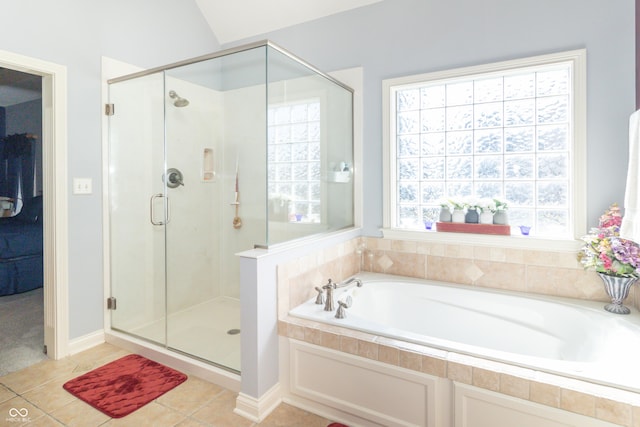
[{"x": 244, "y": 148}]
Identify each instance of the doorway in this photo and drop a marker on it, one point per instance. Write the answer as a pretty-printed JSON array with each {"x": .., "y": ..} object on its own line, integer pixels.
[
  {"x": 21, "y": 226},
  {"x": 54, "y": 182}
]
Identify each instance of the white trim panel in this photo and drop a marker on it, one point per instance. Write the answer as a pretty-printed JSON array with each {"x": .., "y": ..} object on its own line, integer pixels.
[
  {"x": 475, "y": 407},
  {"x": 369, "y": 389}
]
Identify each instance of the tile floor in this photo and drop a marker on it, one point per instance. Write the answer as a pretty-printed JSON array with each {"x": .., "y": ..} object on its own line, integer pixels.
[{"x": 196, "y": 402}]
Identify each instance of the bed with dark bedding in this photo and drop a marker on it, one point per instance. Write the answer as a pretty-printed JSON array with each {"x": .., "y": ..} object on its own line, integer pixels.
[{"x": 21, "y": 249}]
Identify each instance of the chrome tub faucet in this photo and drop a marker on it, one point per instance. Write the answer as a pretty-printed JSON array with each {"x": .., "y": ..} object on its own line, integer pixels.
[
  {"x": 329, "y": 304},
  {"x": 347, "y": 282},
  {"x": 329, "y": 287}
]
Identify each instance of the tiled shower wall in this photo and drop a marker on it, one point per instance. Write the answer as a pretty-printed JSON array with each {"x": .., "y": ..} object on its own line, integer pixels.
[{"x": 534, "y": 271}]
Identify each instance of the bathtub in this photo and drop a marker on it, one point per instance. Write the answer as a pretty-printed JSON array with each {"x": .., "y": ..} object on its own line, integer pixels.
[{"x": 570, "y": 337}]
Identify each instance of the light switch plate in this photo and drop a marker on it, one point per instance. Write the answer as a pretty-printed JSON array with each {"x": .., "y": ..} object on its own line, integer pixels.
[{"x": 82, "y": 186}]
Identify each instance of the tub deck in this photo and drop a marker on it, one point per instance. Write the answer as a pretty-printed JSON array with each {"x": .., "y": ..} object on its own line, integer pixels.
[{"x": 568, "y": 337}]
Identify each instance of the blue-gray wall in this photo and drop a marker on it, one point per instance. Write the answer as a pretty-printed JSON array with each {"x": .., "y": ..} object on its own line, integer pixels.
[
  {"x": 388, "y": 39},
  {"x": 76, "y": 34},
  {"x": 402, "y": 37}
]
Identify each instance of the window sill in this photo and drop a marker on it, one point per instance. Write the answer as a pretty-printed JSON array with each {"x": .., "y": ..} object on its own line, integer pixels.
[{"x": 514, "y": 242}]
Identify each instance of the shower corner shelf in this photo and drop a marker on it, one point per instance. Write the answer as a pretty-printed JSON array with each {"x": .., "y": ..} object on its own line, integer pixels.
[{"x": 339, "y": 177}]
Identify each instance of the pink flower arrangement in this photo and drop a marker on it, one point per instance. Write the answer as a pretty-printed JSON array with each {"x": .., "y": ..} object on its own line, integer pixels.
[{"x": 606, "y": 252}]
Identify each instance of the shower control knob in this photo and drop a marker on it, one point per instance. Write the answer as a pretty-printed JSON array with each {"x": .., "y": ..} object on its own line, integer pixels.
[{"x": 173, "y": 178}]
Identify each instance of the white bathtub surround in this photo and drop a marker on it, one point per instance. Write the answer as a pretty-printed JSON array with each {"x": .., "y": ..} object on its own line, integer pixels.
[
  {"x": 362, "y": 392},
  {"x": 549, "y": 334},
  {"x": 555, "y": 391},
  {"x": 532, "y": 271}
]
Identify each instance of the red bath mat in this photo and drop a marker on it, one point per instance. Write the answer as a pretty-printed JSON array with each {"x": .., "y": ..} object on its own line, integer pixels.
[{"x": 124, "y": 385}]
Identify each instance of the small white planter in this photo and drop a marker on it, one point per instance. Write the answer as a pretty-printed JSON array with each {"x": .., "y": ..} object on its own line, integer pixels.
[
  {"x": 486, "y": 217},
  {"x": 501, "y": 217},
  {"x": 457, "y": 215},
  {"x": 445, "y": 214}
]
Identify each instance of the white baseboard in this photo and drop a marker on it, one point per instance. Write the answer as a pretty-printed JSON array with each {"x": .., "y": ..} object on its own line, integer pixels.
[
  {"x": 86, "y": 342},
  {"x": 257, "y": 410}
]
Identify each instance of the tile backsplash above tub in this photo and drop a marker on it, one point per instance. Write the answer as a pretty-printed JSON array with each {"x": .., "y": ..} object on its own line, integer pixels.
[{"x": 523, "y": 270}]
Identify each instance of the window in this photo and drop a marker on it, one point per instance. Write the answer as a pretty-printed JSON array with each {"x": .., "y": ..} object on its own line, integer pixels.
[
  {"x": 511, "y": 131},
  {"x": 294, "y": 159}
]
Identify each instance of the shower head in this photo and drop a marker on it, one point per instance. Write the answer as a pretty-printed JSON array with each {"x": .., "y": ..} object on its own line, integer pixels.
[{"x": 179, "y": 102}]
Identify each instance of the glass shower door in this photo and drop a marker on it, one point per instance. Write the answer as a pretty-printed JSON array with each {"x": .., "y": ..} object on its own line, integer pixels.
[
  {"x": 137, "y": 212},
  {"x": 215, "y": 137},
  {"x": 193, "y": 250}
]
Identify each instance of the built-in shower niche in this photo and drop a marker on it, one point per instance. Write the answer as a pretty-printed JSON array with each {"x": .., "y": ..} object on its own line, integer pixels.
[{"x": 254, "y": 133}]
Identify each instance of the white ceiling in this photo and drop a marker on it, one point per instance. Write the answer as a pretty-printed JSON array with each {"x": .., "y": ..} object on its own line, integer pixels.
[{"x": 232, "y": 20}]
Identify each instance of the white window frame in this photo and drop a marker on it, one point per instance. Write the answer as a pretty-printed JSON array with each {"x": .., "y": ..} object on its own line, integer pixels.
[{"x": 578, "y": 61}]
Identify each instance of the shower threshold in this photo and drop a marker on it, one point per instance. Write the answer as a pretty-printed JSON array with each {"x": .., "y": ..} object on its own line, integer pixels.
[{"x": 201, "y": 331}]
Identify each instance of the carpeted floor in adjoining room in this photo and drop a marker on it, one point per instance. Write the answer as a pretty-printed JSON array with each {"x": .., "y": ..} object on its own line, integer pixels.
[{"x": 21, "y": 330}]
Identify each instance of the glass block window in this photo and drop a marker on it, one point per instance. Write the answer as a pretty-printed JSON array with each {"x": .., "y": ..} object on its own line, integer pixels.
[
  {"x": 505, "y": 134},
  {"x": 293, "y": 158}
]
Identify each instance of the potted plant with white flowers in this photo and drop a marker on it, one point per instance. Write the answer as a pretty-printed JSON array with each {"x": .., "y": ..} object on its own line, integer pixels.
[
  {"x": 445, "y": 212},
  {"x": 458, "y": 210},
  {"x": 500, "y": 212},
  {"x": 473, "y": 211},
  {"x": 486, "y": 209}
]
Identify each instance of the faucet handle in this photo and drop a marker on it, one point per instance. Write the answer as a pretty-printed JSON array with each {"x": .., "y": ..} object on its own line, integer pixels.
[
  {"x": 341, "y": 313},
  {"x": 320, "y": 296},
  {"x": 346, "y": 302}
]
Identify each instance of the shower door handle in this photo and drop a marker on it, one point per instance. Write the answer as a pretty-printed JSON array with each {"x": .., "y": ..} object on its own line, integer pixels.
[{"x": 152, "y": 210}]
